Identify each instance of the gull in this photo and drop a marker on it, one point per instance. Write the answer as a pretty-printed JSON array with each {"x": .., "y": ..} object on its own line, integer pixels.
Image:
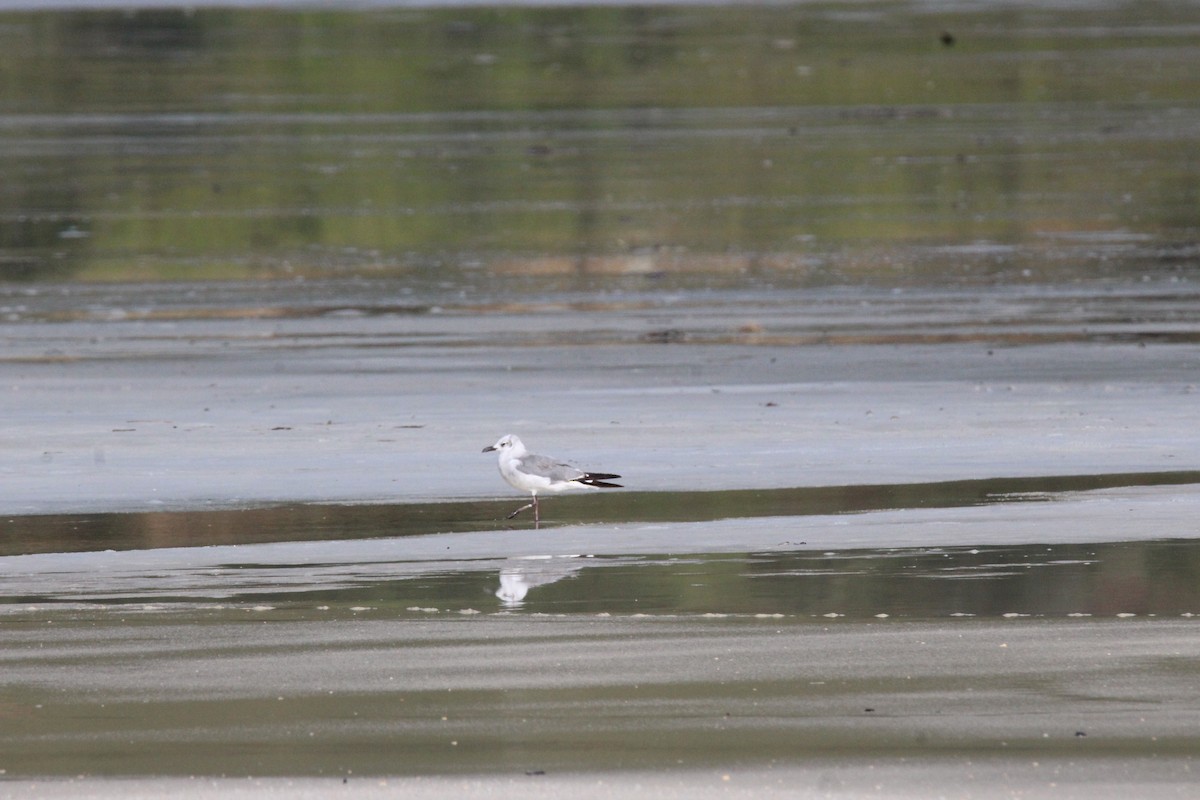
[{"x": 527, "y": 472}]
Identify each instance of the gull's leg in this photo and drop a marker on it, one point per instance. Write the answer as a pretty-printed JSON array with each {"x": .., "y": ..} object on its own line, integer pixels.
[
  {"x": 522, "y": 508},
  {"x": 537, "y": 517}
]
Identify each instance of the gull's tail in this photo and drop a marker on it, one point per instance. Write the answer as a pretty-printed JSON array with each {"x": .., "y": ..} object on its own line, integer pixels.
[{"x": 600, "y": 479}]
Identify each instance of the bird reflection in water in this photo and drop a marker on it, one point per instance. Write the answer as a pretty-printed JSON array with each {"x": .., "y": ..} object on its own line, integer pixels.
[{"x": 519, "y": 575}]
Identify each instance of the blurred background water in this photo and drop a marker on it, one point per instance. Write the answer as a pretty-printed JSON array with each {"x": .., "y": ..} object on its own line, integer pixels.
[{"x": 600, "y": 146}]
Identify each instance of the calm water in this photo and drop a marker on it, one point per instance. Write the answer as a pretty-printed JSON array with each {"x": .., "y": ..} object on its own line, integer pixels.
[
  {"x": 1130, "y": 579},
  {"x": 584, "y": 146},
  {"x": 350, "y": 559}
]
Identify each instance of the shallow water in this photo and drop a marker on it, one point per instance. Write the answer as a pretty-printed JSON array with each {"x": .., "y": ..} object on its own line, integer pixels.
[
  {"x": 1126, "y": 579},
  {"x": 808, "y": 555}
]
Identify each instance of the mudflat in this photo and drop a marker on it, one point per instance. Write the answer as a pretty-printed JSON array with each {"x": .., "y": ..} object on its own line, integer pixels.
[{"x": 266, "y": 702}]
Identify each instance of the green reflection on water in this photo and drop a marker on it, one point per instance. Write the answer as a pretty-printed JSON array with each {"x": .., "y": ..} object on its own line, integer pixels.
[
  {"x": 775, "y": 144},
  {"x": 1140, "y": 578},
  {"x": 1158, "y": 578},
  {"x": 1135, "y": 578}
]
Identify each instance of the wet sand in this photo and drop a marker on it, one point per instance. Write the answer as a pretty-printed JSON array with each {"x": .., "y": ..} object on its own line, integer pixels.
[
  {"x": 336, "y": 395},
  {"x": 288, "y": 668},
  {"x": 501, "y": 706}
]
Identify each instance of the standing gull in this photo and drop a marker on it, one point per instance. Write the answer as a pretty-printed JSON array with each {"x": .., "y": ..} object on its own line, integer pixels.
[{"x": 532, "y": 473}]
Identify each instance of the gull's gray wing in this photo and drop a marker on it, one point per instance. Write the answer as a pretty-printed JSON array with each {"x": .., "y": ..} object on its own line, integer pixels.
[{"x": 549, "y": 468}]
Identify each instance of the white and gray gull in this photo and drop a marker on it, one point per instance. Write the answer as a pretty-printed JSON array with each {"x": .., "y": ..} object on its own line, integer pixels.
[{"x": 528, "y": 472}]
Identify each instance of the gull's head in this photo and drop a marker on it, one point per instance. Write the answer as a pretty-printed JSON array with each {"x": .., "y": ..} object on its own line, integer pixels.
[{"x": 505, "y": 443}]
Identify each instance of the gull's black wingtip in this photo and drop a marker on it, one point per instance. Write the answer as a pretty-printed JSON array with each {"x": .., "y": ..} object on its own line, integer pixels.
[{"x": 600, "y": 479}]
